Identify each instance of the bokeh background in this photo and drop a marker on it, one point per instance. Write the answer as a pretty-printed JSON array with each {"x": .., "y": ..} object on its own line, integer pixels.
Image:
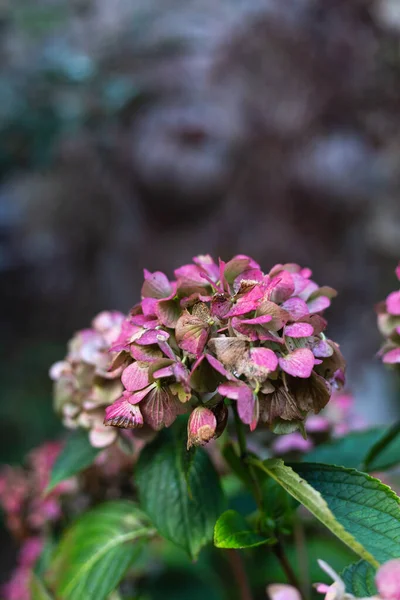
[{"x": 138, "y": 133}]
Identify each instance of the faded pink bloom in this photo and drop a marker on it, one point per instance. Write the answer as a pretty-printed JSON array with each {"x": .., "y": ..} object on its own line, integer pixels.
[
  {"x": 279, "y": 591},
  {"x": 202, "y": 426},
  {"x": 293, "y": 442},
  {"x": 217, "y": 329},
  {"x": 388, "y": 580}
]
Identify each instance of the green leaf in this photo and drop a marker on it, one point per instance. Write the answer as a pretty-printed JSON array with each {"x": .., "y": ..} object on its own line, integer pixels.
[
  {"x": 37, "y": 589},
  {"x": 77, "y": 454},
  {"x": 179, "y": 490},
  {"x": 311, "y": 498},
  {"x": 97, "y": 550},
  {"x": 347, "y": 451},
  {"x": 359, "y": 579},
  {"x": 385, "y": 453},
  {"x": 232, "y": 531},
  {"x": 365, "y": 507}
]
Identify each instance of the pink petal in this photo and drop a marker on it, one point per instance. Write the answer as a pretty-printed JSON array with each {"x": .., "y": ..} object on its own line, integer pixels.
[
  {"x": 168, "y": 312},
  {"x": 153, "y": 336},
  {"x": 145, "y": 353},
  {"x": 190, "y": 276},
  {"x": 290, "y": 443},
  {"x": 392, "y": 357},
  {"x": 248, "y": 275},
  {"x": 282, "y": 287},
  {"x": 149, "y": 306},
  {"x": 138, "y": 396},
  {"x": 159, "y": 408},
  {"x": 235, "y": 267},
  {"x": 310, "y": 289},
  {"x": 101, "y": 436},
  {"x": 241, "y": 308},
  {"x": 257, "y": 320},
  {"x": 264, "y": 357},
  {"x": 299, "y": 363},
  {"x": 296, "y": 307},
  {"x": 135, "y": 376},
  {"x": 207, "y": 263},
  {"x": 156, "y": 285},
  {"x": 164, "y": 372},
  {"x": 298, "y": 330},
  {"x": 318, "y": 304},
  {"x": 393, "y": 303},
  {"x": 218, "y": 366},
  {"x": 146, "y": 321},
  {"x": 244, "y": 397},
  {"x": 220, "y": 306},
  {"x": 123, "y": 414},
  {"x": 191, "y": 333}
]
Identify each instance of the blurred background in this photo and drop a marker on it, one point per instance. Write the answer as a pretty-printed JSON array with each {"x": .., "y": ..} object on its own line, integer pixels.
[{"x": 138, "y": 133}]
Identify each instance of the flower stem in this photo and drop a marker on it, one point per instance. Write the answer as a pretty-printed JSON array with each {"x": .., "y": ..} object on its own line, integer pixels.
[
  {"x": 286, "y": 566},
  {"x": 240, "y": 433},
  {"x": 239, "y": 574}
]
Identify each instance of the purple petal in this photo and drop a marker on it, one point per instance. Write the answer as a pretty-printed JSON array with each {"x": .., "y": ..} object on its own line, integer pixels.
[
  {"x": 123, "y": 414},
  {"x": 298, "y": 330},
  {"x": 136, "y": 376},
  {"x": 393, "y": 303},
  {"x": 299, "y": 363},
  {"x": 296, "y": 307},
  {"x": 392, "y": 357},
  {"x": 156, "y": 285},
  {"x": 322, "y": 349},
  {"x": 264, "y": 357},
  {"x": 318, "y": 304}
]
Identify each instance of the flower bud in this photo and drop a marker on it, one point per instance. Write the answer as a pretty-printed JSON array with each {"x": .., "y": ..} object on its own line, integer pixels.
[{"x": 202, "y": 427}]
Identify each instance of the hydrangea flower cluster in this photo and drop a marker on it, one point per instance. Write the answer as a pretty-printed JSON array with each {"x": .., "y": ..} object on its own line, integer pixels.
[
  {"x": 84, "y": 384},
  {"x": 225, "y": 330},
  {"x": 387, "y": 582},
  {"x": 389, "y": 325}
]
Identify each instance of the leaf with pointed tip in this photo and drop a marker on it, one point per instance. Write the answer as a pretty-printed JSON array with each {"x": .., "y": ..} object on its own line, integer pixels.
[
  {"x": 385, "y": 453},
  {"x": 360, "y": 510},
  {"x": 95, "y": 553},
  {"x": 179, "y": 490},
  {"x": 77, "y": 454},
  {"x": 232, "y": 531},
  {"x": 359, "y": 579},
  {"x": 367, "y": 509}
]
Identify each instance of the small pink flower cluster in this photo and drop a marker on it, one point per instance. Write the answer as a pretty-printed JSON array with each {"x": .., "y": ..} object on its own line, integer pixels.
[
  {"x": 84, "y": 384},
  {"x": 22, "y": 497},
  {"x": 387, "y": 582},
  {"x": 389, "y": 325},
  {"x": 18, "y": 587},
  {"x": 225, "y": 331},
  {"x": 28, "y": 510}
]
